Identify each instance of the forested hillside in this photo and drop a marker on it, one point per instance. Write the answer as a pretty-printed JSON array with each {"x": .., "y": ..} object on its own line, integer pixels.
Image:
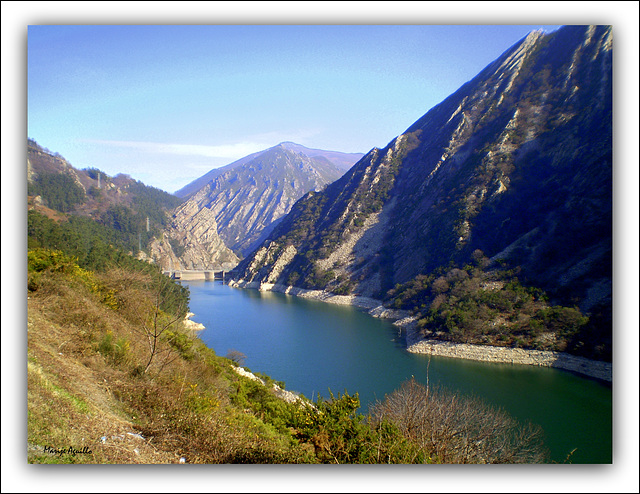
[{"x": 118, "y": 210}]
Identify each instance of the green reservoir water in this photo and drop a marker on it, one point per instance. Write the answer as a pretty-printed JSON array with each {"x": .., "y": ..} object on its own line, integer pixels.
[{"x": 315, "y": 347}]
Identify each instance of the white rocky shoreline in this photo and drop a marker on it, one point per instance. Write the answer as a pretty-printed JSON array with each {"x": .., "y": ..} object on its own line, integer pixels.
[
  {"x": 416, "y": 344},
  {"x": 283, "y": 394},
  {"x": 192, "y": 325}
]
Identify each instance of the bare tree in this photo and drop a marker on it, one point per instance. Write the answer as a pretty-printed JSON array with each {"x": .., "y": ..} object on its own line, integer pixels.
[
  {"x": 236, "y": 356},
  {"x": 157, "y": 308},
  {"x": 454, "y": 429},
  {"x": 159, "y": 323}
]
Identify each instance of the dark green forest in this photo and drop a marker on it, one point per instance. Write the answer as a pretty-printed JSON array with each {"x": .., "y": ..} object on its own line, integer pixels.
[
  {"x": 59, "y": 191},
  {"x": 486, "y": 303}
]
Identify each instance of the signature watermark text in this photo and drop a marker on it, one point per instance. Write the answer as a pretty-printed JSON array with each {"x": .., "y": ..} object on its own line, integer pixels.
[{"x": 68, "y": 451}]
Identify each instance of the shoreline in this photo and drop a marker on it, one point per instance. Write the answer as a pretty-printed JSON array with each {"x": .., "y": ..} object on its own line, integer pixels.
[
  {"x": 517, "y": 356},
  {"x": 192, "y": 325},
  {"x": 283, "y": 394},
  {"x": 406, "y": 324}
]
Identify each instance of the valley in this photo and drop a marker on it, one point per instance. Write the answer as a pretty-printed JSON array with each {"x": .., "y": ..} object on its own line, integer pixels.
[{"x": 483, "y": 232}]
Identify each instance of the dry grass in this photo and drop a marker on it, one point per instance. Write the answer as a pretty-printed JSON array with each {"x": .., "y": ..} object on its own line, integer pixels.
[
  {"x": 70, "y": 399},
  {"x": 87, "y": 389}
]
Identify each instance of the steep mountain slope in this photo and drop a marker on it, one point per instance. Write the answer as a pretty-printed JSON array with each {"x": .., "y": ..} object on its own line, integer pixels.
[
  {"x": 516, "y": 163},
  {"x": 193, "y": 187},
  {"x": 247, "y": 197},
  {"x": 191, "y": 241}
]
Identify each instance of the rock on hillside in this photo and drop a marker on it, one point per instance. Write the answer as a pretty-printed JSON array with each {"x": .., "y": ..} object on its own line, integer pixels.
[{"x": 191, "y": 241}]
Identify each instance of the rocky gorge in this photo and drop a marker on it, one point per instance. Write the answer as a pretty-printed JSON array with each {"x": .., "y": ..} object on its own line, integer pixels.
[
  {"x": 191, "y": 241},
  {"x": 229, "y": 210}
]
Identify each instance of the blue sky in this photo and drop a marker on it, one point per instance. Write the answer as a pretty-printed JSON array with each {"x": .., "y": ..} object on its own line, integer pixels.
[{"x": 166, "y": 104}]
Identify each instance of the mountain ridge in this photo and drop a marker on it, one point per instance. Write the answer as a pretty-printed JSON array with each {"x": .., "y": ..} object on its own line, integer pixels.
[
  {"x": 342, "y": 161},
  {"x": 247, "y": 198}
]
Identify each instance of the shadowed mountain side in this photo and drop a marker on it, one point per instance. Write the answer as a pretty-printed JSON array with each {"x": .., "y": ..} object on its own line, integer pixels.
[{"x": 516, "y": 163}]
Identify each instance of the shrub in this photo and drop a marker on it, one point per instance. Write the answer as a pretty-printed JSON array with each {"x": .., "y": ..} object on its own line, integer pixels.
[
  {"x": 449, "y": 428},
  {"x": 236, "y": 356},
  {"x": 116, "y": 351},
  {"x": 182, "y": 343},
  {"x": 340, "y": 434},
  {"x": 565, "y": 321},
  {"x": 40, "y": 259}
]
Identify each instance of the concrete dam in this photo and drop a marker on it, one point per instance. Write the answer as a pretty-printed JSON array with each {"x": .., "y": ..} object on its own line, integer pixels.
[{"x": 198, "y": 274}]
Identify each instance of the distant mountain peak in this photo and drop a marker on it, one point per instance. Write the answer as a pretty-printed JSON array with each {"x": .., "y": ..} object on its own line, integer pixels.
[
  {"x": 247, "y": 197},
  {"x": 342, "y": 161}
]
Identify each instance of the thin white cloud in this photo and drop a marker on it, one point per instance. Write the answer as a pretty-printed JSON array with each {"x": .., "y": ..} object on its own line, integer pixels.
[
  {"x": 170, "y": 166},
  {"x": 228, "y": 151}
]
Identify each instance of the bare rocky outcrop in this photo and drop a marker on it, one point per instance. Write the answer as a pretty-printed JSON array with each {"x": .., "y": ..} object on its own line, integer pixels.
[
  {"x": 194, "y": 232},
  {"x": 192, "y": 325},
  {"x": 354, "y": 256}
]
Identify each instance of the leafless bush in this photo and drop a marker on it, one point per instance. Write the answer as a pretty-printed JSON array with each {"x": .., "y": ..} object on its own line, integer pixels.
[
  {"x": 236, "y": 356},
  {"x": 455, "y": 429},
  {"x": 141, "y": 301}
]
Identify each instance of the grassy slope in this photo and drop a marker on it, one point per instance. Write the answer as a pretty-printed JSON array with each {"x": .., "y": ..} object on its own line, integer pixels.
[{"x": 86, "y": 388}]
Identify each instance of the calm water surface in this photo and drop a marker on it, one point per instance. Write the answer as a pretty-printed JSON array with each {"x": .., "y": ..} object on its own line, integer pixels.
[{"x": 315, "y": 347}]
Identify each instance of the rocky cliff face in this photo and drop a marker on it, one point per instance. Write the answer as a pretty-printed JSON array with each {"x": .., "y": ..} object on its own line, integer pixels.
[
  {"x": 191, "y": 241},
  {"x": 248, "y": 197},
  {"x": 516, "y": 163}
]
